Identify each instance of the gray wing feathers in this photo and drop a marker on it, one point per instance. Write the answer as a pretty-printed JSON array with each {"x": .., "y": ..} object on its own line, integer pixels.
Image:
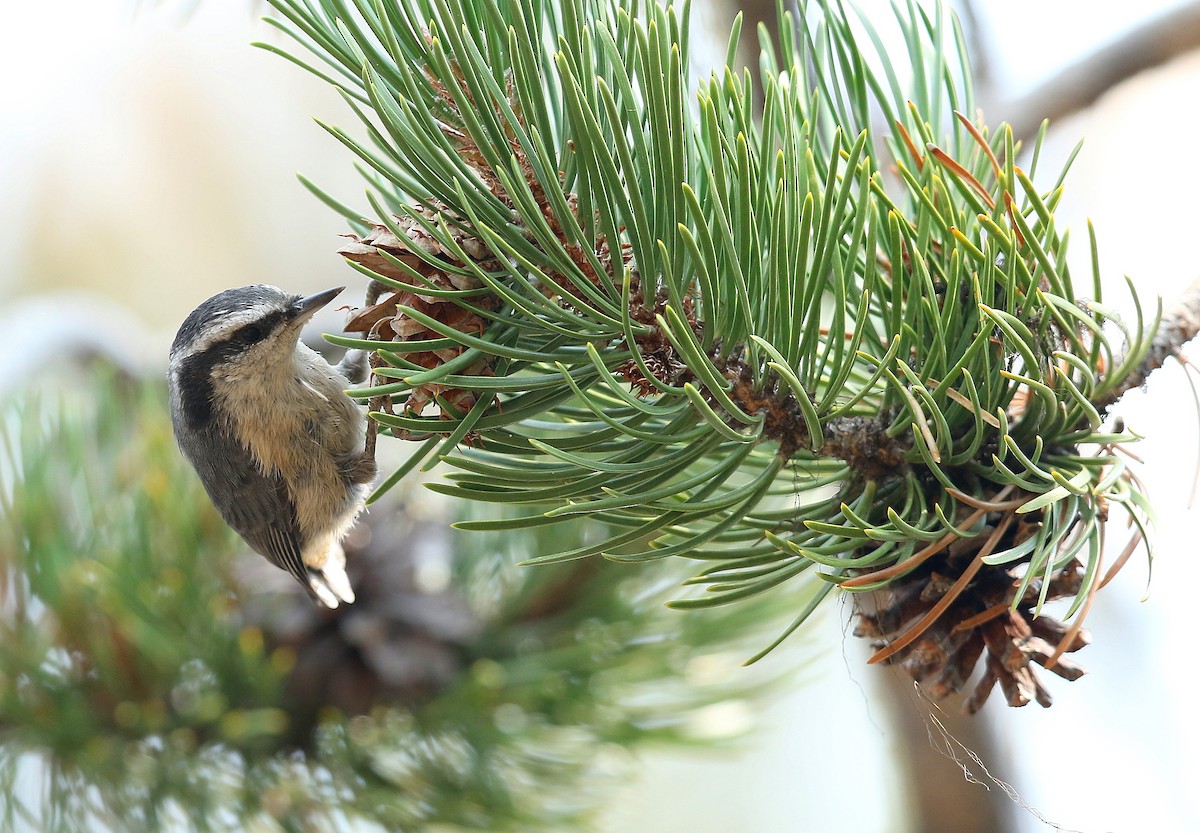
[
  {"x": 279, "y": 542},
  {"x": 257, "y": 506}
]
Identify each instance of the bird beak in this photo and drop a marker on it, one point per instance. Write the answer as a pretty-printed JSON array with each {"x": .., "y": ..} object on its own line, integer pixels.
[{"x": 304, "y": 308}]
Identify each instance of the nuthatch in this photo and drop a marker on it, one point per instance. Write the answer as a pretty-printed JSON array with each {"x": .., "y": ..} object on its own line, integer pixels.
[{"x": 265, "y": 421}]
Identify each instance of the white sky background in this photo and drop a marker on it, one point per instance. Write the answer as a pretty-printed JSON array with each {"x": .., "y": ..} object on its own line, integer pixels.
[
  {"x": 1036, "y": 37},
  {"x": 150, "y": 158}
]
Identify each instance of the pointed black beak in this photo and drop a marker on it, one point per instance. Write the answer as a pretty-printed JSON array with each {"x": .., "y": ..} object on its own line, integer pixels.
[{"x": 304, "y": 308}]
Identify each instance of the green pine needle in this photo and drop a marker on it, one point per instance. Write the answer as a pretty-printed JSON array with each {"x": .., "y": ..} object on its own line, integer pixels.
[{"x": 881, "y": 310}]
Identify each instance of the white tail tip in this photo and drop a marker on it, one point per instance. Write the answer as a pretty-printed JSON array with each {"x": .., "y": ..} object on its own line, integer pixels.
[{"x": 332, "y": 587}]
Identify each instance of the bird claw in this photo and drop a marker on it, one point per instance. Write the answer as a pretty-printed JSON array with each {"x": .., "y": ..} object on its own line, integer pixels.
[{"x": 354, "y": 366}]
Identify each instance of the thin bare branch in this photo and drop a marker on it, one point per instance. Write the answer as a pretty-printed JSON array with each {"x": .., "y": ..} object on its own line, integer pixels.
[
  {"x": 1180, "y": 324},
  {"x": 1155, "y": 42}
]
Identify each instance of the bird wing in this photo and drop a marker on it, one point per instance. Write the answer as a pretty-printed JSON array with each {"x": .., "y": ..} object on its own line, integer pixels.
[
  {"x": 256, "y": 505},
  {"x": 264, "y": 497}
]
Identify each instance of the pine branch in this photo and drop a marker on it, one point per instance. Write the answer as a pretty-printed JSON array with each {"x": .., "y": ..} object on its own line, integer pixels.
[
  {"x": 1155, "y": 42},
  {"x": 1180, "y": 324},
  {"x": 771, "y": 346}
]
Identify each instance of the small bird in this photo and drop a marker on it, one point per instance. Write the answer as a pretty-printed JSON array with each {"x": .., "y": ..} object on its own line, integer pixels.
[{"x": 267, "y": 425}]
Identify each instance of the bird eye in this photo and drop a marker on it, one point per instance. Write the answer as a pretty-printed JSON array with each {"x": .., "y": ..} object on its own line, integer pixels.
[{"x": 251, "y": 334}]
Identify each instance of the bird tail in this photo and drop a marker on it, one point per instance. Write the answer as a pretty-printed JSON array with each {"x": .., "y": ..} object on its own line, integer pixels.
[{"x": 329, "y": 582}]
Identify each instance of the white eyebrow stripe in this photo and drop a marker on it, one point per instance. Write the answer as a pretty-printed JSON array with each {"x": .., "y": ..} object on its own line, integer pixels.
[{"x": 218, "y": 330}]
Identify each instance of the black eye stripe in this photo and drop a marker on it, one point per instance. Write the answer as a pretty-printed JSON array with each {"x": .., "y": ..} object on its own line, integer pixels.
[
  {"x": 232, "y": 301},
  {"x": 255, "y": 331},
  {"x": 250, "y": 334},
  {"x": 236, "y": 341},
  {"x": 195, "y": 371}
]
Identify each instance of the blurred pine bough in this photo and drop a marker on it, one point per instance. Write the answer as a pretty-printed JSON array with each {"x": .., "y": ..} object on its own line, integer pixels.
[{"x": 155, "y": 676}]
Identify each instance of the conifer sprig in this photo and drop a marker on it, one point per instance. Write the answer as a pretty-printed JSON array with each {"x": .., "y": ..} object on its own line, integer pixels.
[
  {"x": 771, "y": 344},
  {"x": 157, "y": 676}
]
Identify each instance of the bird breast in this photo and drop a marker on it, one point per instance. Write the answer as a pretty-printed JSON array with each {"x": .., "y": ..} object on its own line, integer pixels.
[{"x": 301, "y": 425}]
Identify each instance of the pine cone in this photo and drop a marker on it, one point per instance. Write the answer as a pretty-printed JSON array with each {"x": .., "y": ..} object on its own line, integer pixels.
[
  {"x": 383, "y": 320},
  {"x": 657, "y": 353},
  {"x": 442, "y": 266},
  {"x": 980, "y": 621},
  {"x": 398, "y": 643}
]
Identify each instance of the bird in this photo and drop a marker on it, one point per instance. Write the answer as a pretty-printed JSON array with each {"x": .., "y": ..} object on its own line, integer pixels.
[{"x": 265, "y": 421}]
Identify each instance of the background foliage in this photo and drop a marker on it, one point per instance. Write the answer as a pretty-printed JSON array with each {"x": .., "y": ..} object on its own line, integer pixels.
[{"x": 155, "y": 677}]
